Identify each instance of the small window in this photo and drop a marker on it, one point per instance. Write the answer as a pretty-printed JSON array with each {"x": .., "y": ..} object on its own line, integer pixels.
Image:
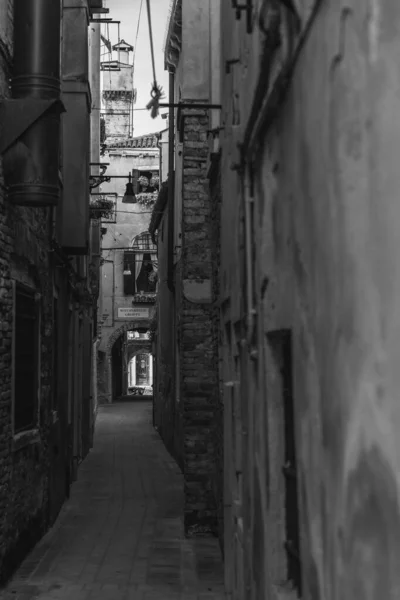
[
  {"x": 148, "y": 182},
  {"x": 26, "y": 359}
]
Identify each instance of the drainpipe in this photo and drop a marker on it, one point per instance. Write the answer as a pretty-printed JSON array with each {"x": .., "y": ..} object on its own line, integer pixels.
[
  {"x": 30, "y": 121},
  {"x": 171, "y": 183}
]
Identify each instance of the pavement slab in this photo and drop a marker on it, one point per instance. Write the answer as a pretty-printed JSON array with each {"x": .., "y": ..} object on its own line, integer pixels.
[{"x": 120, "y": 535}]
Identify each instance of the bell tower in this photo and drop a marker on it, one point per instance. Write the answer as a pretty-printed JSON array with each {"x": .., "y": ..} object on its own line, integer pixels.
[{"x": 118, "y": 94}]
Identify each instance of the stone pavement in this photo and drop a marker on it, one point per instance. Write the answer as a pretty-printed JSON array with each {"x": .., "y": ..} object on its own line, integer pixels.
[{"x": 120, "y": 536}]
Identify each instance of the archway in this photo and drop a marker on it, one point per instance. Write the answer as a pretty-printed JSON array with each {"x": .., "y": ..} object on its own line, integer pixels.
[{"x": 109, "y": 369}]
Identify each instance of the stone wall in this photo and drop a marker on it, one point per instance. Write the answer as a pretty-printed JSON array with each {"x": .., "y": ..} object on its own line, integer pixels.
[
  {"x": 198, "y": 360},
  {"x": 118, "y": 106}
]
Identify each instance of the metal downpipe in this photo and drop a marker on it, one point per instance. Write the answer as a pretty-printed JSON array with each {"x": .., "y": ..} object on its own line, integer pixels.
[{"x": 171, "y": 184}]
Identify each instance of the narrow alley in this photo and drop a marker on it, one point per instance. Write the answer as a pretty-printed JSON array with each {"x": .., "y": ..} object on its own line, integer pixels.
[
  {"x": 199, "y": 299},
  {"x": 120, "y": 535}
]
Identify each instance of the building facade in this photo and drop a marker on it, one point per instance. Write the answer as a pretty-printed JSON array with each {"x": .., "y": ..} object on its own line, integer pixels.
[
  {"x": 309, "y": 305},
  {"x": 283, "y": 212},
  {"x": 128, "y": 254},
  {"x": 47, "y": 299},
  {"x": 187, "y": 398}
]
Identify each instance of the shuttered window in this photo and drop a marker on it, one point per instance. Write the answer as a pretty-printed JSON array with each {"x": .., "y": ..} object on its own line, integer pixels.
[
  {"x": 26, "y": 359},
  {"x": 129, "y": 273}
]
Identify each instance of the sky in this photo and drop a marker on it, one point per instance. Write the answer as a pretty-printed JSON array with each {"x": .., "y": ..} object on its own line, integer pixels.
[{"x": 127, "y": 11}]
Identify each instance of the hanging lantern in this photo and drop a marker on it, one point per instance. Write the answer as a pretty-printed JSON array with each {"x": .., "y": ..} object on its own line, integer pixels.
[{"x": 129, "y": 196}]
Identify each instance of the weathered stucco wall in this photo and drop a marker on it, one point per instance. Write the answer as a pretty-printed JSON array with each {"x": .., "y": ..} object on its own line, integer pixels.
[
  {"x": 131, "y": 220},
  {"x": 323, "y": 233}
]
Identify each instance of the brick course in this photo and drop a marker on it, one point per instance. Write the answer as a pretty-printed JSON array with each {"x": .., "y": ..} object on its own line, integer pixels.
[{"x": 215, "y": 250}]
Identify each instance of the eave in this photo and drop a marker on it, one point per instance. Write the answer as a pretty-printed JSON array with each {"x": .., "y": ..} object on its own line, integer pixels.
[{"x": 173, "y": 42}]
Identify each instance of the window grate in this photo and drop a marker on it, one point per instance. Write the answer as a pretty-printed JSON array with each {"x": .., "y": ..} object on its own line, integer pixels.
[{"x": 144, "y": 242}]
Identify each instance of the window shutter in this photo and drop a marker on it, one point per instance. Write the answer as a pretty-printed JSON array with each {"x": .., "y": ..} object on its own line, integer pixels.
[
  {"x": 135, "y": 177},
  {"x": 129, "y": 270}
]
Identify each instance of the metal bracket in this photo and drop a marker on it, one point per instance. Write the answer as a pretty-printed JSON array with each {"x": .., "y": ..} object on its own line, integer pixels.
[
  {"x": 190, "y": 105},
  {"x": 248, "y": 7},
  {"x": 229, "y": 63},
  {"x": 96, "y": 180},
  {"x": 17, "y": 115}
]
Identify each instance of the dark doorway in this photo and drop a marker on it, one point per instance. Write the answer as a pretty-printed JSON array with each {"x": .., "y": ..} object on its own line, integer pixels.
[{"x": 117, "y": 369}]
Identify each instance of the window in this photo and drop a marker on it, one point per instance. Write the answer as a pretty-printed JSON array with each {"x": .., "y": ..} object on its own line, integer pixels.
[
  {"x": 26, "y": 359},
  {"x": 148, "y": 182},
  {"x": 140, "y": 266}
]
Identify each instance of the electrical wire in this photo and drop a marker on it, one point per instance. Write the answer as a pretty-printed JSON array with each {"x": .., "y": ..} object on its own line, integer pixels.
[
  {"x": 151, "y": 43},
  {"x": 156, "y": 90},
  {"x": 137, "y": 33}
]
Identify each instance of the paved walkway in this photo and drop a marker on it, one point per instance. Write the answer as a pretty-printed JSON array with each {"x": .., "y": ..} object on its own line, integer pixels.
[{"x": 120, "y": 536}]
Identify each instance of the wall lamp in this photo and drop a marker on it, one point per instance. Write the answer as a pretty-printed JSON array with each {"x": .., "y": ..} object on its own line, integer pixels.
[{"x": 129, "y": 196}]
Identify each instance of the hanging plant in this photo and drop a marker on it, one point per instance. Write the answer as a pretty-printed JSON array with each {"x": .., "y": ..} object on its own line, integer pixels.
[
  {"x": 147, "y": 198},
  {"x": 143, "y": 181},
  {"x": 101, "y": 208},
  {"x": 155, "y": 182}
]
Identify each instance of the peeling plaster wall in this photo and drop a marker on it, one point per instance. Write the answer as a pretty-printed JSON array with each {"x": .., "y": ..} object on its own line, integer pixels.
[{"x": 325, "y": 237}]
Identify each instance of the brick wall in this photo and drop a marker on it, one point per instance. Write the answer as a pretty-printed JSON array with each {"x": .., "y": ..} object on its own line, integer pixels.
[
  {"x": 198, "y": 360},
  {"x": 33, "y": 465},
  {"x": 215, "y": 208},
  {"x": 24, "y": 485}
]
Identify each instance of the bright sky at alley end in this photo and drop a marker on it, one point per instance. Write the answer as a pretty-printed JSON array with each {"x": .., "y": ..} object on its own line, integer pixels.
[{"x": 127, "y": 11}]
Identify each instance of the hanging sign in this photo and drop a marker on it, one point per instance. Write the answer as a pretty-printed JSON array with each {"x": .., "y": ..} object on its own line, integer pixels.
[{"x": 134, "y": 313}]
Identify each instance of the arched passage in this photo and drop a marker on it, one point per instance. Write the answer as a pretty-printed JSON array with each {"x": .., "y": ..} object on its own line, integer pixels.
[{"x": 109, "y": 369}]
